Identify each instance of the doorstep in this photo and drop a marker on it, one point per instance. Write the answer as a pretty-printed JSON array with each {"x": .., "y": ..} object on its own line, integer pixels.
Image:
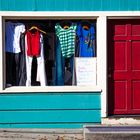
[
  {"x": 121, "y": 120},
  {"x": 111, "y": 132}
]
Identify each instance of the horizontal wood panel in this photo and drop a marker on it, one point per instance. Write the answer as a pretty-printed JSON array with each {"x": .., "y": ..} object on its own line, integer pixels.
[
  {"x": 50, "y": 116},
  {"x": 44, "y": 125},
  {"x": 49, "y": 101},
  {"x": 69, "y": 5}
]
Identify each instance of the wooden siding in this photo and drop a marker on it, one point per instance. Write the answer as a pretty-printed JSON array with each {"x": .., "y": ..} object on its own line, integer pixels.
[
  {"x": 69, "y": 5},
  {"x": 55, "y": 110}
]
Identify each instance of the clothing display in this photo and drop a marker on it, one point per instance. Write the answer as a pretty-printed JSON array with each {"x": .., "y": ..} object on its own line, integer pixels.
[
  {"x": 12, "y": 69},
  {"x": 12, "y": 36},
  {"x": 12, "y": 48},
  {"x": 41, "y": 76},
  {"x": 67, "y": 39},
  {"x": 22, "y": 62},
  {"x": 86, "y": 41},
  {"x": 33, "y": 43},
  {"x": 64, "y": 67},
  {"x": 41, "y": 53},
  {"x": 66, "y": 47}
]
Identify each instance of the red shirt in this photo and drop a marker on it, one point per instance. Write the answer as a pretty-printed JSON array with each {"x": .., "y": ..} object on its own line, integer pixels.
[{"x": 33, "y": 43}]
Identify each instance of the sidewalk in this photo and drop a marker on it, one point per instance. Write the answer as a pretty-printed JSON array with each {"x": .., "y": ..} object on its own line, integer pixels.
[{"x": 41, "y": 134}]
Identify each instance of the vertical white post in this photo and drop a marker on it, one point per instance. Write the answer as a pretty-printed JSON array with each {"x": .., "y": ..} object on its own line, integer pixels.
[
  {"x": 102, "y": 61},
  {"x": 1, "y": 55}
]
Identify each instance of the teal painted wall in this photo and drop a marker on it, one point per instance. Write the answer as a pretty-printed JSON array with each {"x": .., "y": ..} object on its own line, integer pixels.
[
  {"x": 46, "y": 110},
  {"x": 70, "y": 5},
  {"x": 63, "y": 110}
]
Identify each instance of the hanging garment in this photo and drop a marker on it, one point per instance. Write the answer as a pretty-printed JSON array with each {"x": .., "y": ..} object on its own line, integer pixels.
[
  {"x": 12, "y": 48},
  {"x": 41, "y": 75},
  {"x": 59, "y": 76},
  {"x": 64, "y": 74},
  {"x": 12, "y": 36},
  {"x": 86, "y": 41},
  {"x": 12, "y": 69},
  {"x": 22, "y": 62},
  {"x": 67, "y": 39},
  {"x": 33, "y": 43}
]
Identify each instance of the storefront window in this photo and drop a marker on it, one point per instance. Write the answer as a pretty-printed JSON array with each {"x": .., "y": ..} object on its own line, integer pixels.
[{"x": 50, "y": 52}]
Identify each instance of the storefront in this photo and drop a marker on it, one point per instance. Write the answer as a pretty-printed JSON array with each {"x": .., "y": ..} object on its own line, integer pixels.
[{"x": 103, "y": 83}]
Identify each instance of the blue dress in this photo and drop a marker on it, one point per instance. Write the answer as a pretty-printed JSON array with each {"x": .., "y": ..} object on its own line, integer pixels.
[{"x": 86, "y": 41}]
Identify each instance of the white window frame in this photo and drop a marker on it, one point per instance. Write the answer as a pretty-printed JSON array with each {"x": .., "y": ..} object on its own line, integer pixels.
[{"x": 37, "y": 15}]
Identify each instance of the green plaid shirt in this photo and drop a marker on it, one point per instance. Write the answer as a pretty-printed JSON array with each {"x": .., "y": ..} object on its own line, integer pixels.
[{"x": 67, "y": 39}]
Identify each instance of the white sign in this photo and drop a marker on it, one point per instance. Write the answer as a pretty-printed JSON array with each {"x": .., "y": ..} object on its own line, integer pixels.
[{"x": 85, "y": 71}]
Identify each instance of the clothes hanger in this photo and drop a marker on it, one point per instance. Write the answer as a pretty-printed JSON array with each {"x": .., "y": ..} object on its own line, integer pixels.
[
  {"x": 86, "y": 25},
  {"x": 36, "y": 28},
  {"x": 66, "y": 27},
  {"x": 65, "y": 24}
]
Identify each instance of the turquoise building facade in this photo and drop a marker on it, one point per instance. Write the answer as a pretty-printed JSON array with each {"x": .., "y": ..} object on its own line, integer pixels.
[
  {"x": 69, "y": 5},
  {"x": 56, "y": 109}
]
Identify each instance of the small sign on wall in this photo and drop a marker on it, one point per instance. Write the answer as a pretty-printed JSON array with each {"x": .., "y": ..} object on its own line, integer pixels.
[{"x": 85, "y": 71}]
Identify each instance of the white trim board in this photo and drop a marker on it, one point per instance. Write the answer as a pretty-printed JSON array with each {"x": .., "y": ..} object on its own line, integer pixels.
[
  {"x": 53, "y": 89},
  {"x": 65, "y": 14}
]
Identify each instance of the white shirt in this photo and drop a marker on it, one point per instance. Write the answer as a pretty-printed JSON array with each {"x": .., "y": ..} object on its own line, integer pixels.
[{"x": 13, "y": 32}]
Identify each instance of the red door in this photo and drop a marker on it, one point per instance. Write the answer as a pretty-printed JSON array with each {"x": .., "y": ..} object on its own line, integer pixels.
[{"x": 124, "y": 67}]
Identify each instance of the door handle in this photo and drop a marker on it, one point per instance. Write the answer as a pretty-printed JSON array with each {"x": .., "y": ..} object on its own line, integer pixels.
[{"x": 109, "y": 75}]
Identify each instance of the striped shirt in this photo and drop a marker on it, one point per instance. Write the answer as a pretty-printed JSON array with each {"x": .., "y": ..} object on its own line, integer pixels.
[{"x": 67, "y": 39}]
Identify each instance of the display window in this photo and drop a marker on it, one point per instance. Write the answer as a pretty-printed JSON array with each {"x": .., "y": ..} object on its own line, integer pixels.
[{"x": 49, "y": 52}]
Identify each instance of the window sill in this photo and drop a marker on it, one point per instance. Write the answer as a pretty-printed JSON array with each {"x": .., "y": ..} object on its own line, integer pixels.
[{"x": 52, "y": 89}]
